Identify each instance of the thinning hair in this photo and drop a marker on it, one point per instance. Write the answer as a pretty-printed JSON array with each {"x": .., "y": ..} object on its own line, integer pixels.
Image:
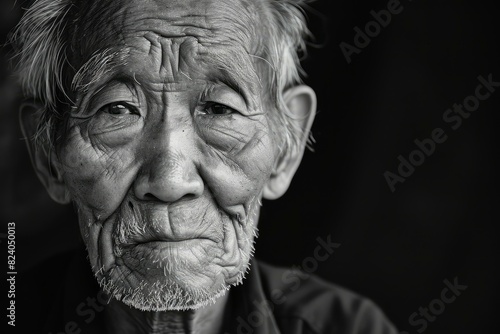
[{"x": 43, "y": 50}]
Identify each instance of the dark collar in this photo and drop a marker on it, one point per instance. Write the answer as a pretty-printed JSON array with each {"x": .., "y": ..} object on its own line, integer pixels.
[{"x": 247, "y": 310}]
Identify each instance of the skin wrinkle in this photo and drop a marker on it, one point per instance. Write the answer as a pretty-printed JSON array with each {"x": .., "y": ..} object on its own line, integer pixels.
[
  {"x": 242, "y": 133},
  {"x": 256, "y": 140},
  {"x": 197, "y": 37},
  {"x": 228, "y": 161},
  {"x": 237, "y": 136}
]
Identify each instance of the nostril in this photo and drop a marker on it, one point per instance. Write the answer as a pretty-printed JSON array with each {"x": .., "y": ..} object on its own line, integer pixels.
[
  {"x": 188, "y": 196},
  {"x": 150, "y": 197}
]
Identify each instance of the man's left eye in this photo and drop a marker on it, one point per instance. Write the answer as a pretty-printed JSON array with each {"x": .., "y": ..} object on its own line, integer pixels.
[{"x": 212, "y": 108}]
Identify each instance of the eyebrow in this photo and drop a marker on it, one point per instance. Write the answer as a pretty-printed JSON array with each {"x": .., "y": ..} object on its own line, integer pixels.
[
  {"x": 236, "y": 70},
  {"x": 100, "y": 65}
]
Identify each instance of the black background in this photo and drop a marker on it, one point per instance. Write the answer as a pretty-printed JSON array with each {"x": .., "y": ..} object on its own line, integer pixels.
[{"x": 397, "y": 247}]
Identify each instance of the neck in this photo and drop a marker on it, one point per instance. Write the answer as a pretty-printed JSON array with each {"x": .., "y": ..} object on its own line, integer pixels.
[{"x": 123, "y": 319}]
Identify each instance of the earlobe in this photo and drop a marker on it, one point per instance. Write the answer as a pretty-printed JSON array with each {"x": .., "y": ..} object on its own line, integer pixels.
[
  {"x": 43, "y": 160},
  {"x": 301, "y": 108}
]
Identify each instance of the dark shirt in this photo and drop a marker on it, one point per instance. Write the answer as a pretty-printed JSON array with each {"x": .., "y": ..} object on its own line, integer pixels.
[{"x": 66, "y": 299}]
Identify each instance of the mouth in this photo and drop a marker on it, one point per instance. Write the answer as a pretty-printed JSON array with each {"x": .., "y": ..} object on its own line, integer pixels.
[
  {"x": 154, "y": 238},
  {"x": 171, "y": 244}
]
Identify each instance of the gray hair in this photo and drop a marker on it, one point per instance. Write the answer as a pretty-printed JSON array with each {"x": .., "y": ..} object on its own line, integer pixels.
[{"x": 42, "y": 52}]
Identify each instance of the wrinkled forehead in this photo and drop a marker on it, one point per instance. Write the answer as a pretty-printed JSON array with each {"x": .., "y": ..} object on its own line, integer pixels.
[{"x": 104, "y": 24}]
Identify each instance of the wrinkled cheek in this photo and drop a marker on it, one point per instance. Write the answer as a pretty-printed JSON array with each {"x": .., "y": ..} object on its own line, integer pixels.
[
  {"x": 100, "y": 246},
  {"x": 238, "y": 247},
  {"x": 237, "y": 177},
  {"x": 97, "y": 181}
]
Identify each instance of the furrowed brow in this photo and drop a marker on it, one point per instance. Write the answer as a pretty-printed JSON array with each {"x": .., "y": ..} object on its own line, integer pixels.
[{"x": 100, "y": 64}]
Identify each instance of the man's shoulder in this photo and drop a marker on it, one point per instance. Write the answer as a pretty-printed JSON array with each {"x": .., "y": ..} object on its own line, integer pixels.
[{"x": 302, "y": 299}]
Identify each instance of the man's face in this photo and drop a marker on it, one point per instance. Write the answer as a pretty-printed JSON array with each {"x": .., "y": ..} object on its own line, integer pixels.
[{"x": 168, "y": 150}]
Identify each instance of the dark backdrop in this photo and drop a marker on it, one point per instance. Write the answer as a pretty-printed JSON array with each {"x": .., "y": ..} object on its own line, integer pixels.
[{"x": 396, "y": 247}]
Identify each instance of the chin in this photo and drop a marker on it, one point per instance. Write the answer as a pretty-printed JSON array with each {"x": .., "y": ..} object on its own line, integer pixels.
[
  {"x": 165, "y": 295},
  {"x": 166, "y": 279},
  {"x": 181, "y": 274}
]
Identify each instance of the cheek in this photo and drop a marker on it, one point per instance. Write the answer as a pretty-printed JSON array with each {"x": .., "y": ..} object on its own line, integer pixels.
[
  {"x": 97, "y": 177},
  {"x": 237, "y": 164}
]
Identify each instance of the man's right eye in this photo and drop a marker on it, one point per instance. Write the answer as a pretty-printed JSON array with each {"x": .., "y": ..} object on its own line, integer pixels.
[{"x": 119, "y": 108}]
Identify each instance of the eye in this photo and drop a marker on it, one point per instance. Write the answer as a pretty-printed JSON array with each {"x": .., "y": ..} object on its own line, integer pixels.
[
  {"x": 213, "y": 108},
  {"x": 119, "y": 108}
]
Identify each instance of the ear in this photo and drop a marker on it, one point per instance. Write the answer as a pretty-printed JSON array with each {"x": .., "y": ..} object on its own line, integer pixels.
[
  {"x": 44, "y": 161},
  {"x": 301, "y": 107}
]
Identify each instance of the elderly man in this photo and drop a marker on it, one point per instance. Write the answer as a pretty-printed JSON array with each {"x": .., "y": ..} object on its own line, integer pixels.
[{"x": 165, "y": 122}]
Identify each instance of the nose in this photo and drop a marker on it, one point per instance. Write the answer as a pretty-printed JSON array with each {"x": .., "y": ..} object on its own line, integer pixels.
[{"x": 170, "y": 173}]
